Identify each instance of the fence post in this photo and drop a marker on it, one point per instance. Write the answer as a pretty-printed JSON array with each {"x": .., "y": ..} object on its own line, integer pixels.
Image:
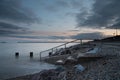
[
  {"x": 52, "y": 50},
  {"x": 81, "y": 41},
  {"x": 17, "y": 54},
  {"x": 65, "y": 48},
  {"x": 31, "y": 54}
]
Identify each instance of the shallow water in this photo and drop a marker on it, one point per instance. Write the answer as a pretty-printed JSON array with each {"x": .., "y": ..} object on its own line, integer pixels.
[{"x": 11, "y": 66}]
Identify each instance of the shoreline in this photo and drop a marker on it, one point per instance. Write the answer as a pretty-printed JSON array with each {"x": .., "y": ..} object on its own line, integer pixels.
[{"x": 99, "y": 69}]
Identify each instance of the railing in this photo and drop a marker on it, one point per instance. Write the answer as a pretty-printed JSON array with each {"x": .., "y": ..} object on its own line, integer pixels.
[{"x": 62, "y": 46}]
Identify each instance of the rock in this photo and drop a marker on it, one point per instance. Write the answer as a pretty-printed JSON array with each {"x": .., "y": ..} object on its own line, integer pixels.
[
  {"x": 94, "y": 51},
  {"x": 59, "y": 62},
  {"x": 70, "y": 75},
  {"x": 60, "y": 69},
  {"x": 70, "y": 58},
  {"x": 62, "y": 76},
  {"x": 46, "y": 75},
  {"x": 79, "y": 55},
  {"x": 79, "y": 68}
]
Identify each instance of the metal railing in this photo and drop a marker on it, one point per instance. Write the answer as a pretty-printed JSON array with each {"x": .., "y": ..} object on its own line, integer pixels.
[{"x": 62, "y": 46}]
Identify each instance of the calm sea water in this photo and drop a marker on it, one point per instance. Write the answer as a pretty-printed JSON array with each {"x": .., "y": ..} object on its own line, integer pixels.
[{"x": 10, "y": 66}]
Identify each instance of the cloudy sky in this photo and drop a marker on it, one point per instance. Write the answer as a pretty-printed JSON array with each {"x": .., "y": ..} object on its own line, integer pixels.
[{"x": 48, "y": 20}]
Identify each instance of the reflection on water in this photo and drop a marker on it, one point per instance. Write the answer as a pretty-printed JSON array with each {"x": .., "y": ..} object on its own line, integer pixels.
[
  {"x": 22, "y": 64},
  {"x": 12, "y": 65}
]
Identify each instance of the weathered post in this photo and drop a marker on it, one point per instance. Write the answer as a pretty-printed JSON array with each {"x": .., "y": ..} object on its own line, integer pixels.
[
  {"x": 17, "y": 54},
  {"x": 81, "y": 41},
  {"x": 52, "y": 50},
  {"x": 65, "y": 48},
  {"x": 50, "y": 53},
  {"x": 31, "y": 54}
]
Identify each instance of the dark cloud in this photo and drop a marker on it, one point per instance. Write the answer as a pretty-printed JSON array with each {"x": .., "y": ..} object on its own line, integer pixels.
[
  {"x": 14, "y": 31},
  {"x": 7, "y": 29},
  {"x": 9, "y": 26},
  {"x": 74, "y": 30},
  {"x": 56, "y": 5},
  {"x": 12, "y": 10},
  {"x": 94, "y": 35},
  {"x": 59, "y": 37},
  {"x": 105, "y": 13},
  {"x": 70, "y": 4},
  {"x": 51, "y": 8},
  {"x": 77, "y": 3},
  {"x": 39, "y": 37},
  {"x": 30, "y": 37},
  {"x": 61, "y": 4}
]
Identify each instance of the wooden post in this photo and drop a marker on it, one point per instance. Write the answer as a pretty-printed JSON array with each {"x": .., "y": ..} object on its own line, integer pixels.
[
  {"x": 65, "y": 48},
  {"x": 81, "y": 41},
  {"x": 31, "y": 54},
  {"x": 17, "y": 54},
  {"x": 52, "y": 50}
]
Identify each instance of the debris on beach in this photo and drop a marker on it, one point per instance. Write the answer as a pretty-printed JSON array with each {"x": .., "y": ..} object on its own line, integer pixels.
[
  {"x": 46, "y": 75},
  {"x": 79, "y": 68},
  {"x": 105, "y": 66},
  {"x": 52, "y": 74},
  {"x": 70, "y": 60},
  {"x": 93, "y": 51},
  {"x": 60, "y": 69},
  {"x": 62, "y": 75},
  {"x": 60, "y": 62},
  {"x": 80, "y": 55}
]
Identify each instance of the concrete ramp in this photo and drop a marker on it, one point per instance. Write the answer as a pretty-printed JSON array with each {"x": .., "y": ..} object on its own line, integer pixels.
[{"x": 93, "y": 51}]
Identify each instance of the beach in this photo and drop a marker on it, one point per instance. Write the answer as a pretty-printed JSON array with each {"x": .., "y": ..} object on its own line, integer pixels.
[
  {"x": 105, "y": 68},
  {"x": 60, "y": 40}
]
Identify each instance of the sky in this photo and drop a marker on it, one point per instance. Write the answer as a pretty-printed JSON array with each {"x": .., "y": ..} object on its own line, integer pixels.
[{"x": 58, "y": 20}]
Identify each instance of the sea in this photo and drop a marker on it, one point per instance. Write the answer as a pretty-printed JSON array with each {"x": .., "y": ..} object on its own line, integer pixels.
[{"x": 12, "y": 66}]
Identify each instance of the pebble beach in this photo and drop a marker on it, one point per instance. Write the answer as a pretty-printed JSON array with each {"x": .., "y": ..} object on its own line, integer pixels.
[{"x": 105, "y": 68}]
